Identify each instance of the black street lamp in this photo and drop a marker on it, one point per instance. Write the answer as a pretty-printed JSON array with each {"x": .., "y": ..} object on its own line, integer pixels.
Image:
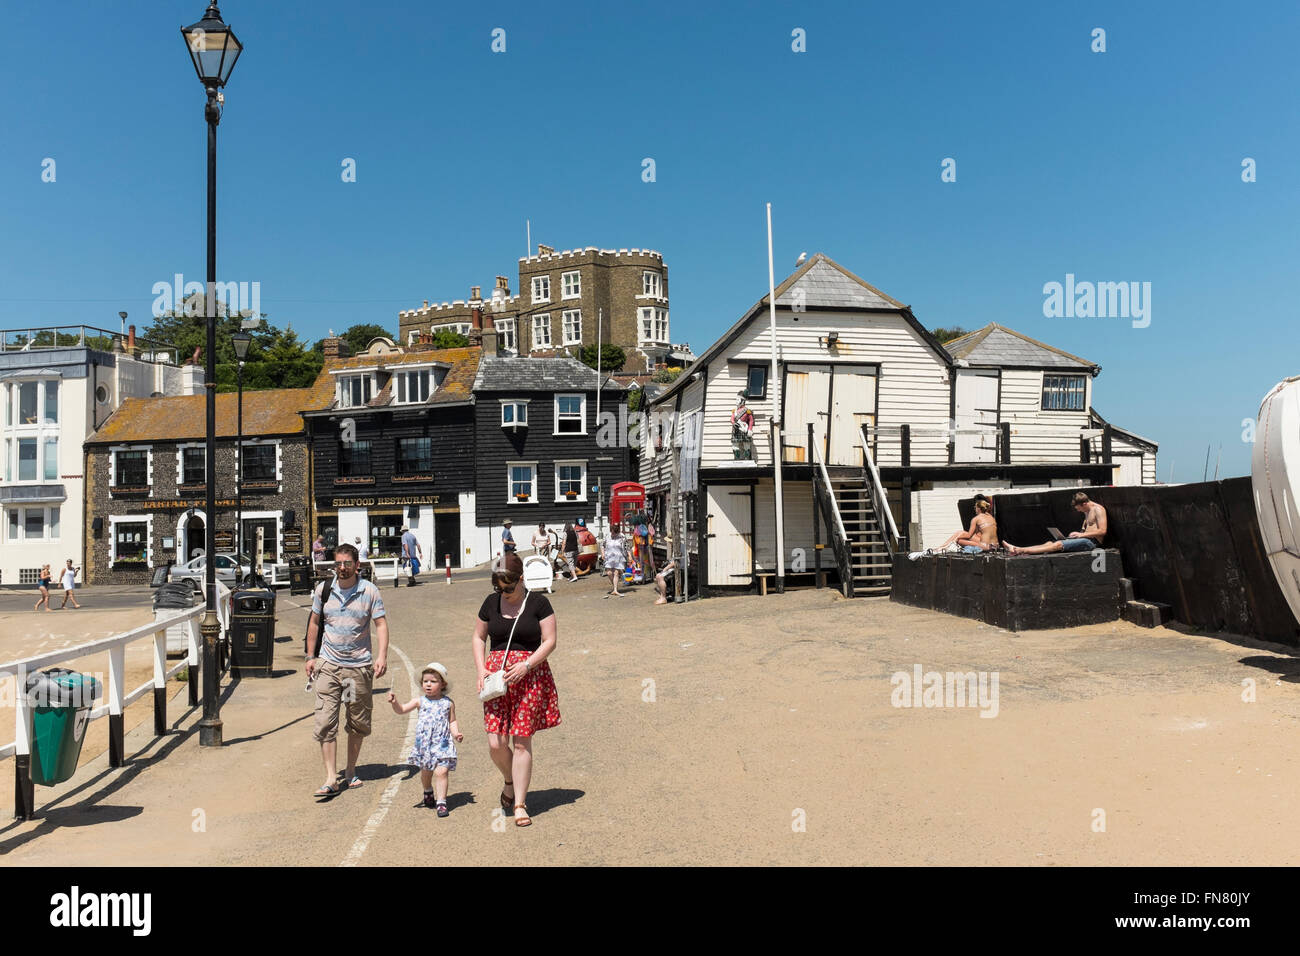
[
  {"x": 241, "y": 340},
  {"x": 214, "y": 50}
]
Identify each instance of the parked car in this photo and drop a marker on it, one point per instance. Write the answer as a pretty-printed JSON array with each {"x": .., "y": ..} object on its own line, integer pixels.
[{"x": 228, "y": 571}]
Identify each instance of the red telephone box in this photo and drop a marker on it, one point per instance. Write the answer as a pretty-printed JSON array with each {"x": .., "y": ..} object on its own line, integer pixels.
[{"x": 626, "y": 497}]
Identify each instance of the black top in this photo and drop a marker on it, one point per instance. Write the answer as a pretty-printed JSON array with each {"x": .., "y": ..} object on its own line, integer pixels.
[
  {"x": 571, "y": 540},
  {"x": 528, "y": 632}
]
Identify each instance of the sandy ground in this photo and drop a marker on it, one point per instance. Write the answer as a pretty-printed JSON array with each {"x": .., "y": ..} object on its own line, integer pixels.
[{"x": 739, "y": 730}]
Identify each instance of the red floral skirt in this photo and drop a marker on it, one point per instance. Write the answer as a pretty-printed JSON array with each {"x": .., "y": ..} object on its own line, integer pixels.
[{"x": 529, "y": 705}]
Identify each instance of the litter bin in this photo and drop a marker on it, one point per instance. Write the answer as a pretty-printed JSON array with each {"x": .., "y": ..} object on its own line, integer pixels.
[
  {"x": 252, "y": 631},
  {"x": 300, "y": 575},
  {"x": 170, "y": 600},
  {"x": 61, "y": 701}
]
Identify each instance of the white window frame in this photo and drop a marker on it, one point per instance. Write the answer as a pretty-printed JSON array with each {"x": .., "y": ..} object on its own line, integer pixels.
[
  {"x": 180, "y": 461},
  {"x": 46, "y": 522},
  {"x": 582, "y": 485},
  {"x": 539, "y": 283},
  {"x": 257, "y": 443},
  {"x": 582, "y": 398},
  {"x": 1042, "y": 406},
  {"x": 655, "y": 316},
  {"x": 542, "y": 320},
  {"x": 652, "y": 285},
  {"x": 341, "y": 389},
  {"x": 571, "y": 290},
  {"x": 112, "y": 464},
  {"x": 460, "y": 327},
  {"x": 401, "y": 383},
  {"x": 261, "y": 516},
  {"x": 510, "y": 466},
  {"x": 564, "y": 330},
  {"x": 504, "y": 326},
  {"x": 115, "y": 520},
  {"x": 516, "y": 403}
]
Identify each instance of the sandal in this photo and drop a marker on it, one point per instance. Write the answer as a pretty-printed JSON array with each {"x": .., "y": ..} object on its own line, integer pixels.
[
  {"x": 329, "y": 791},
  {"x": 507, "y": 802},
  {"x": 525, "y": 820}
]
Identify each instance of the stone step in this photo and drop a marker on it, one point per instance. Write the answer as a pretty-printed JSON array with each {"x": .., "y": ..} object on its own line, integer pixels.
[
  {"x": 1147, "y": 613},
  {"x": 1126, "y": 586}
]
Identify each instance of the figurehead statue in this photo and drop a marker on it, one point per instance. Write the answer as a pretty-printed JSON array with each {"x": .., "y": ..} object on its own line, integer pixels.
[{"x": 742, "y": 430}]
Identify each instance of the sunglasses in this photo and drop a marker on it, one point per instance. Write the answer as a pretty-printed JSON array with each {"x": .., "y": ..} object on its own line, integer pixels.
[{"x": 344, "y": 564}]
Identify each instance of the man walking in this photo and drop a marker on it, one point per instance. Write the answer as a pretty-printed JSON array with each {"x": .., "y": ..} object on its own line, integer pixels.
[
  {"x": 345, "y": 669},
  {"x": 412, "y": 552},
  {"x": 69, "y": 585}
]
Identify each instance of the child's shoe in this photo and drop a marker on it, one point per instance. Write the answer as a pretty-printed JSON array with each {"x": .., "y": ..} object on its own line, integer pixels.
[
  {"x": 442, "y": 810},
  {"x": 429, "y": 800}
]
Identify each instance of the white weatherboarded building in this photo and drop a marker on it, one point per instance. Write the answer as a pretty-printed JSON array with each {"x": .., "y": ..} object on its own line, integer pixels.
[{"x": 854, "y": 362}]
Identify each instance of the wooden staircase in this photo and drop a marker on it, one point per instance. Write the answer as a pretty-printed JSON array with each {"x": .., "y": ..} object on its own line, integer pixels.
[{"x": 869, "y": 555}]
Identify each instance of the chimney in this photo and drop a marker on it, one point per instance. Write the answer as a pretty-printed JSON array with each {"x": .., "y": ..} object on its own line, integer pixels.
[
  {"x": 335, "y": 348},
  {"x": 130, "y": 340},
  {"x": 475, "y": 293},
  {"x": 489, "y": 343},
  {"x": 476, "y": 318},
  {"x": 545, "y": 250}
]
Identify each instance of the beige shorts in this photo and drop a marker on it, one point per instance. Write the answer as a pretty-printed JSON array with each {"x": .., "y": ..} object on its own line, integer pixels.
[{"x": 349, "y": 687}]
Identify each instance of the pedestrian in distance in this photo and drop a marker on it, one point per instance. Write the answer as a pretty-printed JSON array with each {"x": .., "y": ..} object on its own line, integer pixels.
[
  {"x": 69, "y": 585},
  {"x": 436, "y": 735},
  {"x": 343, "y": 674},
  {"x": 412, "y": 554},
  {"x": 614, "y": 556},
  {"x": 47, "y": 578},
  {"x": 507, "y": 538},
  {"x": 569, "y": 550}
]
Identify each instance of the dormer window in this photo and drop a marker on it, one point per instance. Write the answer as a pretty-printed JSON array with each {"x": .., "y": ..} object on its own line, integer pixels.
[
  {"x": 354, "y": 390},
  {"x": 413, "y": 386},
  {"x": 514, "y": 413}
]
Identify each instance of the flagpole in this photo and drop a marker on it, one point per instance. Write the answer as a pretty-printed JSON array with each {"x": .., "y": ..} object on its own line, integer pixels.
[{"x": 773, "y": 390}]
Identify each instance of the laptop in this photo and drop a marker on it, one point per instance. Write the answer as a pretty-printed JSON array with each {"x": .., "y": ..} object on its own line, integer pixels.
[{"x": 1056, "y": 534}]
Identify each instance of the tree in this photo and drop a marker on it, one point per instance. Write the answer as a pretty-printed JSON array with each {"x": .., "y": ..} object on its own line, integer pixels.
[
  {"x": 611, "y": 357},
  {"x": 666, "y": 376},
  {"x": 357, "y": 336},
  {"x": 947, "y": 334},
  {"x": 449, "y": 339}
]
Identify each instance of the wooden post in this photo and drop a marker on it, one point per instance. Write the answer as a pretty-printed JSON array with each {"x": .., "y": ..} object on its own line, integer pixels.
[
  {"x": 24, "y": 791},
  {"x": 819, "y": 580},
  {"x": 116, "y": 675},
  {"x": 1083, "y": 450},
  {"x": 676, "y": 515},
  {"x": 905, "y": 445},
  {"x": 160, "y": 683},
  {"x": 1106, "y": 438},
  {"x": 1006, "y": 442},
  {"x": 905, "y": 513},
  {"x": 192, "y": 661}
]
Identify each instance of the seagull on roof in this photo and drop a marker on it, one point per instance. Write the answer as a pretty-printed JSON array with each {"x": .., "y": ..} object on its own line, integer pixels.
[{"x": 802, "y": 257}]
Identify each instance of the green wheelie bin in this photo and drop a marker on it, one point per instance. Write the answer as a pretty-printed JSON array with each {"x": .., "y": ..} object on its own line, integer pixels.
[{"x": 61, "y": 701}]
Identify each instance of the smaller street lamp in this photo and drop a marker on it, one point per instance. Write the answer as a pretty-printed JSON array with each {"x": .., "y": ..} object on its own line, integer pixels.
[{"x": 241, "y": 341}]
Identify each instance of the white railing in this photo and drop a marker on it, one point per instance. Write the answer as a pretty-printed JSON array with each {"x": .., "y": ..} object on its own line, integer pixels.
[
  {"x": 820, "y": 464},
  {"x": 327, "y": 567},
  {"x": 879, "y": 490}
]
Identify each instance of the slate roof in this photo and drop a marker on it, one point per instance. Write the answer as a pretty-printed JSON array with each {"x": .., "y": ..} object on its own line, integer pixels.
[
  {"x": 825, "y": 284},
  {"x": 455, "y": 387},
  {"x": 184, "y": 417},
  {"x": 522, "y": 374},
  {"x": 994, "y": 345}
]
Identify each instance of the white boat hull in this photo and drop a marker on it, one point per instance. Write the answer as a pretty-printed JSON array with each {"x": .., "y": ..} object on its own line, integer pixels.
[{"x": 1275, "y": 480}]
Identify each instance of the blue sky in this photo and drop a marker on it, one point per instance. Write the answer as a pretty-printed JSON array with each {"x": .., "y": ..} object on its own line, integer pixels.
[{"x": 1115, "y": 166}]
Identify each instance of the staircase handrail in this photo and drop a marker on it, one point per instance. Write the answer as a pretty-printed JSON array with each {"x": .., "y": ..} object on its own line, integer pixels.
[
  {"x": 877, "y": 489},
  {"x": 826, "y": 480}
]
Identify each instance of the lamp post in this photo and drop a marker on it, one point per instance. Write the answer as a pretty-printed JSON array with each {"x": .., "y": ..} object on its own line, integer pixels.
[
  {"x": 241, "y": 340},
  {"x": 214, "y": 49}
]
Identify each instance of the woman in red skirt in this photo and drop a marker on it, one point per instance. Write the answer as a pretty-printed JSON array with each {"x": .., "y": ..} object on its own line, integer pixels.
[{"x": 530, "y": 703}]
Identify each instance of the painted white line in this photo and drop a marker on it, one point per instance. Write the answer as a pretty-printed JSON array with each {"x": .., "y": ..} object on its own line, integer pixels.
[{"x": 390, "y": 791}]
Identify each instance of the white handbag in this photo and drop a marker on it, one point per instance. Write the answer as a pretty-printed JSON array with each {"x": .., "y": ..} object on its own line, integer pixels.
[{"x": 494, "y": 685}]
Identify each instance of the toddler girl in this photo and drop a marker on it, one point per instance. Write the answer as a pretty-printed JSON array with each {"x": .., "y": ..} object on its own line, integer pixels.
[{"x": 434, "y": 753}]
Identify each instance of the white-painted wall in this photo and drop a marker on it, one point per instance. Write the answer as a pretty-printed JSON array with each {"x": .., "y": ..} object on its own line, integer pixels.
[{"x": 476, "y": 541}]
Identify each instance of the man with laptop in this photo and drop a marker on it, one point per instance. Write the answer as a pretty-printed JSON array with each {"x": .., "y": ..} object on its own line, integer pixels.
[{"x": 1094, "y": 531}]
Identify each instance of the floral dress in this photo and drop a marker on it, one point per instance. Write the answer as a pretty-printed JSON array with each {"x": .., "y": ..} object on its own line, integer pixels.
[
  {"x": 433, "y": 744},
  {"x": 615, "y": 555}
]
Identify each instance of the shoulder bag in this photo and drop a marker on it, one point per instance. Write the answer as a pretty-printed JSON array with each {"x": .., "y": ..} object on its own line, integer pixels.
[{"x": 494, "y": 685}]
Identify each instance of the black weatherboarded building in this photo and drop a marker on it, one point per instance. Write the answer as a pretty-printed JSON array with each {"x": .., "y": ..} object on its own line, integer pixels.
[
  {"x": 537, "y": 453},
  {"x": 392, "y": 436}
]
